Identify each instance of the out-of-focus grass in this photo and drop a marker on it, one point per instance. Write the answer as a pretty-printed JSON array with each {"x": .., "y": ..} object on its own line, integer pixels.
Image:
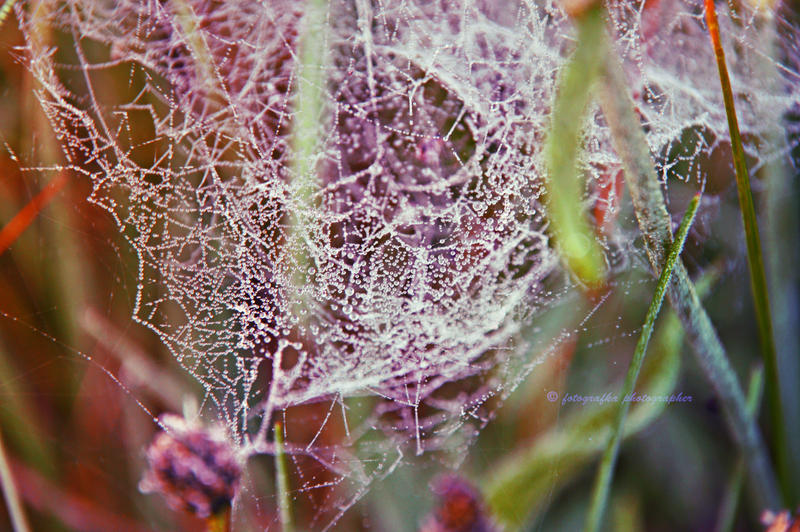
[
  {"x": 574, "y": 237},
  {"x": 523, "y": 482},
  {"x": 70, "y": 430},
  {"x": 9, "y": 488},
  {"x": 282, "y": 481},
  {"x": 727, "y": 511}
]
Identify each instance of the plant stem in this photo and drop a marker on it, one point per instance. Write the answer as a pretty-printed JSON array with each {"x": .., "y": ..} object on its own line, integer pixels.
[
  {"x": 220, "y": 522},
  {"x": 306, "y": 141},
  {"x": 306, "y": 137},
  {"x": 654, "y": 223},
  {"x": 282, "y": 481},
  {"x": 603, "y": 480},
  {"x": 758, "y": 280},
  {"x": 727, "y": 511},
  {"x": 18, "y": 521}
]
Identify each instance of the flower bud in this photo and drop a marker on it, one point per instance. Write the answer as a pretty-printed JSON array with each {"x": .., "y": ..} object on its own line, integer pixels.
[{"x": 194, "y": 467}]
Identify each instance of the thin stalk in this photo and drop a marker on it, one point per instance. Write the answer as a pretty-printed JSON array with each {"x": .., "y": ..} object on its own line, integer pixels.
[
  {"x": 18, "y": 521},
  {"x": 727, "y": 511},
  {"x": 602, "y": 483},
  {"x": 282, "y": 481},
  {"x": 309, "y": 96},
  {"x": 204, "y": 66},
  {"x": 758, "y": 279},
  {"x": 220, "y": 522},
  {"x": 654, "y": 223},
  {"x": 574, "y": 238}
]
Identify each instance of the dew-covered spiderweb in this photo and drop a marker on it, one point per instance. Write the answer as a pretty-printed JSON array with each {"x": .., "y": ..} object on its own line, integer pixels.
[{"x": 389, "y": 273}]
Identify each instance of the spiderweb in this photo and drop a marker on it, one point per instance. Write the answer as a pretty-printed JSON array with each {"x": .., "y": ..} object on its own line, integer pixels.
[{"x": 389, "y": 272}]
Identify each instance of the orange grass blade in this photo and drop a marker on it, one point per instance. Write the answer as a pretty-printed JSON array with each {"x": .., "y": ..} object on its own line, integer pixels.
[{"x": 14, "y": 228}]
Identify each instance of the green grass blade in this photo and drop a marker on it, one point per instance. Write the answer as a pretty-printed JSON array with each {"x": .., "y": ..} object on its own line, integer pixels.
[
  {"x": 282, "y": 482},
  {"x": 524, "y": 482},
  {"x": 654, "y": 223},
  {"x": 573, "y": 235},
  {"x": 602, "y": 483},
  {"x": 758, "y": 279},
  {"x": 727, "y": 512}
]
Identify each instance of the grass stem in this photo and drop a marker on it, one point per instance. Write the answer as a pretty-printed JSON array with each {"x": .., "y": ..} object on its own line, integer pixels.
[
  {"x": 220, "y": 522},
  {"x": 282, "y": 481},
  {"x": 602, "y": 483},
  {"x": 306, "y": 137}
]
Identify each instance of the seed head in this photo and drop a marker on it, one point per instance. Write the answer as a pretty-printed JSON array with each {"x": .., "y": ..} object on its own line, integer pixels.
[
  {"x": 460, "y": 508},
  {"x": 194, "y": 467}
]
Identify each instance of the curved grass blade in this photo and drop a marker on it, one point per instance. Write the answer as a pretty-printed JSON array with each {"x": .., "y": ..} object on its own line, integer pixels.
[
  {"x": 758, "y": 279},
  {"x": 574, "y": 238},
  {"x": 603, "y": 480}
]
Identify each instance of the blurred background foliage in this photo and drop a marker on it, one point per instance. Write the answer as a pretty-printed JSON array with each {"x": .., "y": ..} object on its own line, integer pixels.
[{"x": 75, "y": 436}]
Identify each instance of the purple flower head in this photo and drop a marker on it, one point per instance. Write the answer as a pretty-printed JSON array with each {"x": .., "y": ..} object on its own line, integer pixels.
[{"x": 194, "y": 467}]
